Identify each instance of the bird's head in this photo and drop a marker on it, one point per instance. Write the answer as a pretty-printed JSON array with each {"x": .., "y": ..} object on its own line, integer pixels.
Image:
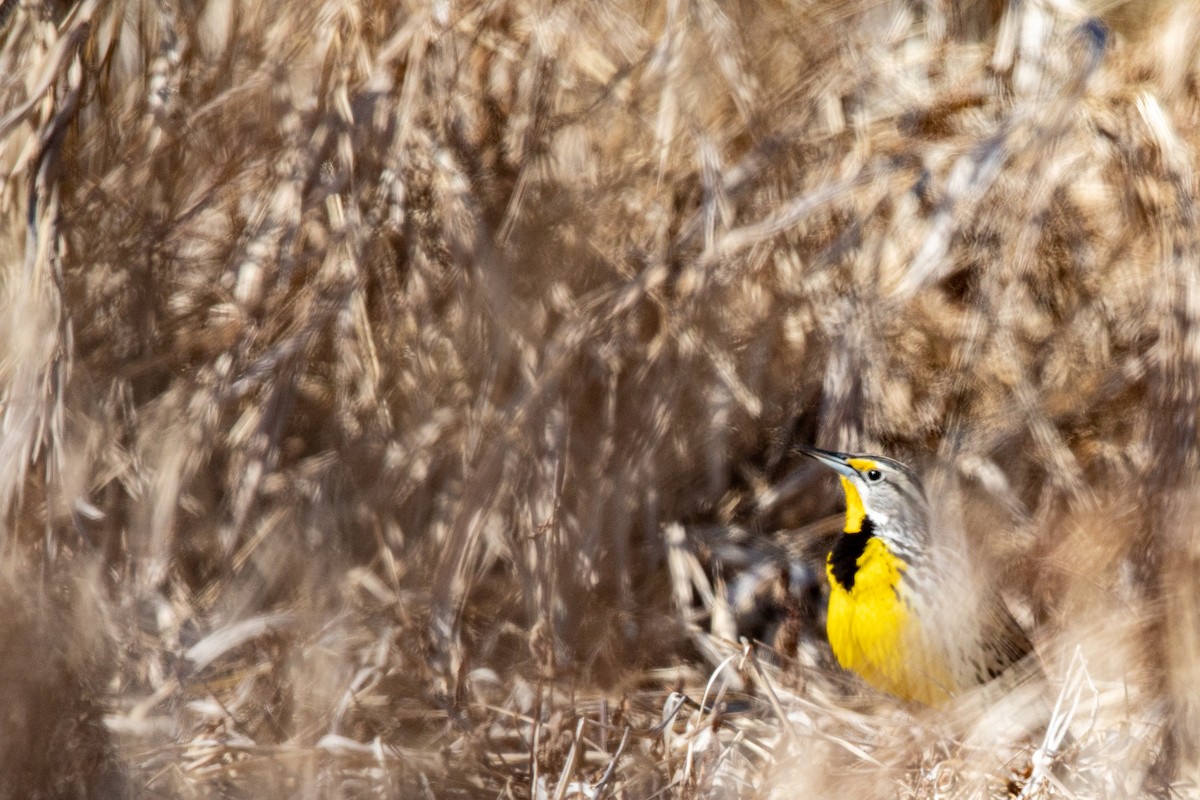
[{"x": 878, "y": 489}]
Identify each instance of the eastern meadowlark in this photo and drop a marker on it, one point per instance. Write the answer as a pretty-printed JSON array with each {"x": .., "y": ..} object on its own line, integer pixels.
[{"x": 905, "y": 611}]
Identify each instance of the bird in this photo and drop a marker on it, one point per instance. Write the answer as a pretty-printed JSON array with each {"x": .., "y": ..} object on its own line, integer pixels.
[{"x": 906, "y": 612}]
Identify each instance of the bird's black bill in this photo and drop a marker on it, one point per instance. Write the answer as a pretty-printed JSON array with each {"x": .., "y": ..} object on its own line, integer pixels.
[{"x": 838, "y": 462}]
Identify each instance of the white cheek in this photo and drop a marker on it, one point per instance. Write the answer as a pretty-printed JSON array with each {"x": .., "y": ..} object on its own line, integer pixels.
[{"x": 878, "y": 517}]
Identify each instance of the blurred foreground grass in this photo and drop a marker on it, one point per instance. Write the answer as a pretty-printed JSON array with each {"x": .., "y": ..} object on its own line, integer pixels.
[{"x": 397, "y": 397}]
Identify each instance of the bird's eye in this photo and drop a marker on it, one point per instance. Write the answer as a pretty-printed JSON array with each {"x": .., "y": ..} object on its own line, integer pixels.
[{"x": 874, "y": 475}]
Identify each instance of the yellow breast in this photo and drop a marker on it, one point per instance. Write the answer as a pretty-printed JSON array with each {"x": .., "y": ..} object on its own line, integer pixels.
[{"x": 874, "y": 632}]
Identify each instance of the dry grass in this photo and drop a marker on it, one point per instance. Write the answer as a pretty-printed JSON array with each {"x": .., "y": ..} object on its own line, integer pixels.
[{"x": 397, "y": 397}]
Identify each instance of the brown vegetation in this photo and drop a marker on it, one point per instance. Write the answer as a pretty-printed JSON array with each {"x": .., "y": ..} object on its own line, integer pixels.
[{"x": 397, "y": 397}]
